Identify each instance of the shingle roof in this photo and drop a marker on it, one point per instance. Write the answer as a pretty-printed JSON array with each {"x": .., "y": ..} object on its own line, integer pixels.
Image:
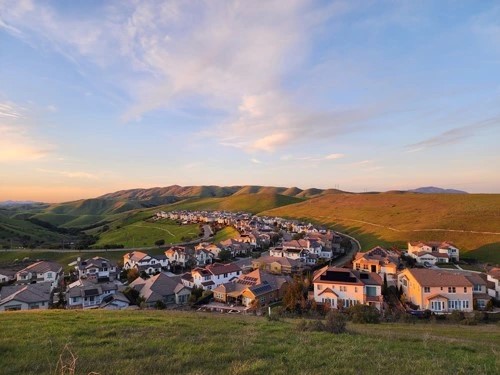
[
  {"x": 31, "y": 293},
  {"x": 42, "y": 267},
  {"x": 157, "y": 287},
  {"x": 430, "y": 277},
  {"x": 219, "y": 268}
]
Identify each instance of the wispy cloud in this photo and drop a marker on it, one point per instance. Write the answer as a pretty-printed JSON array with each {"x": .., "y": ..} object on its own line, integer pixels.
[
  {"x": 454, "y": 135},
  {"x": 255, "y": 161},
  {"x": 69, "y": 174},
  {"x": 17, "y": 143},
  {"x": 312, "y": 158}
]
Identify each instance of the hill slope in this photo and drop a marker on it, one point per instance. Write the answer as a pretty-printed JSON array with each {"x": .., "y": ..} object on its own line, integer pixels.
[
  {"x": 397, "y": 218},
  {"x": 106, "y": 342}
]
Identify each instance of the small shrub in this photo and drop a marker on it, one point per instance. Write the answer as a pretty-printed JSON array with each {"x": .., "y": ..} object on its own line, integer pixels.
[
  {"x": 160, "y": 305},
  {"x": 336, "y": 322},
  {"x": 364, "y": 314},
  {"x": 316, "y": 326},
  {"x": 456, "y": 316}
]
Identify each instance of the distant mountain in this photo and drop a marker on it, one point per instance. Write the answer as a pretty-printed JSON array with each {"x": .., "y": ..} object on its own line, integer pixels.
[
  {"x": 16, "y": 203},
  {"x": 175, "y": 192},
  {"x": 436, "y": 190}
]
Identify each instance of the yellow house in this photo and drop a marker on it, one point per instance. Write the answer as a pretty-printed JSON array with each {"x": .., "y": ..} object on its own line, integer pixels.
[
  {"x": 377, "y": 260},
  {"x": 276, "y": 265},
  {"x": 437, "y": 290},
  {"x": 343, "y": 287}
]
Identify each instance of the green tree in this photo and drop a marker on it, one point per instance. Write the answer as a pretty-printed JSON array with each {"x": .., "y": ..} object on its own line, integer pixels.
[
  {"x": 160, "y": 242},
  {"x": 224, "y": 255}
]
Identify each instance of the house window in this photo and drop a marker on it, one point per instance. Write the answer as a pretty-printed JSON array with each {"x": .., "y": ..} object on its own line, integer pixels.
[
  {"x": 477, "y": 288},
  {"x": 452, "y": 289},
  {"x": 465, "y": 289},
  {"x": 355, "y": 289},
  {"x": 365, "y": 266},
  {"x": 427, "y": 289},
  {"x": 318, "y": 286},
  {"x": 371, "y": 291},
  {"x": 49, "y": 275}
]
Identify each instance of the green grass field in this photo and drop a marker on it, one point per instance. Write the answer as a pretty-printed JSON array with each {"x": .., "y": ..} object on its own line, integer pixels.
[
  {"x": 160, "y": 342},
  {"x": 142, "y": 233},
  {"x": 225, "y": 234},
  {"x": 393, "y": 219}
]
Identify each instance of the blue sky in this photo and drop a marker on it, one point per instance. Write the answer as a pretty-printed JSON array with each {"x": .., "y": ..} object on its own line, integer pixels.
[{"x": 370, "y": 95}]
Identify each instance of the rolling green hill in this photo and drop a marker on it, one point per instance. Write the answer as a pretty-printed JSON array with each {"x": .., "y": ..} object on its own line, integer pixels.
[
  {"x": 394, "y": 219},
  {"x": 21, "y": 233},
  {"x": 159, "y": 342},
  {"x": 253, "y": 203},
  {"x": 143, "y": 234}
]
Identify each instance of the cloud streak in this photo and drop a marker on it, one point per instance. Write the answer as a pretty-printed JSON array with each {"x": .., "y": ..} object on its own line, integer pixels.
[
  {"x": 455, "y": 135},
  {"x": 16, "y": 140}
]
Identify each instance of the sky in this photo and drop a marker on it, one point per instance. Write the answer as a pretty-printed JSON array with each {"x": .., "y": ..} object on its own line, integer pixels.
[{"x": 99, "y": 96}]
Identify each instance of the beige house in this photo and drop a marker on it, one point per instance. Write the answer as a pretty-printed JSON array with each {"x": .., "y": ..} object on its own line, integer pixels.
[
  {"x": 437, "y": 290},
  {"x": 433, "y": 251},
  {"x": 342, "y": 287},
  {"x": 378, "y": 260},
  {"x": 277, "y": 265}
]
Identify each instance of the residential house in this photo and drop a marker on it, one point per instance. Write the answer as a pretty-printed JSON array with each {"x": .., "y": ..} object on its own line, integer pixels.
[
  {"x": 277, "y": 265},
  {"x": 43, "y": 271},
  {"x": 26, "y": 296},
  {"x": 162, "y": 288},
  {"x": 214, "y": 275},
  {"x": 141, "y": 261},
  {"x": 96, "y": 269},
  {"x": 85, "y": 293},
  {"x": 342, "y": 287},
  {"x": 256, "y": 285},
  {"x": 7, "y": 275},
  {"x": 436, "y": 251},
  {"x": 437, "y": 290},
  {"x": 236, "y": 247},
  {"x": 378, "y": 260},
  {"x": 493, "y": 278},
  {"x": 179, "y": 255},
  {"x": 210, "y": 247}
]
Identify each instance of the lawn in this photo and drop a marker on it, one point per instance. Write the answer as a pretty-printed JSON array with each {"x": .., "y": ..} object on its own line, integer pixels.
[
  {"x": 159, "y": 342},
  {"x": 145, "y": 233}
]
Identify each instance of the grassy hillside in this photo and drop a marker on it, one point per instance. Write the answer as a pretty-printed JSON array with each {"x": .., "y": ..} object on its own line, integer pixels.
[
  {"x": 22, "y": 232},
  {"x": 158, "y": 342},
  {"x": 225, "y": 234},
  {"x": 390, "y": 219},
  {"x": 253, "y": 203},
  {"x": 142, "y": 233}
]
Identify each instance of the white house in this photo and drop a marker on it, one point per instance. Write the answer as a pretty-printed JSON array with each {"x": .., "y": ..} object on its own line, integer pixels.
[
  {"x": 87, "y": 294},
  {"x": 26, "y": 297},
  {"x": 42, "y": 271},
  {"x": 493, "y": 277},
  {"x": 137, "y": 259},
  {"x": 7, "y": 275},
  {"x": 97, "y": 269},
  {"x": 443, "y": 251},
  {"x": 214, "y": 275}
]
